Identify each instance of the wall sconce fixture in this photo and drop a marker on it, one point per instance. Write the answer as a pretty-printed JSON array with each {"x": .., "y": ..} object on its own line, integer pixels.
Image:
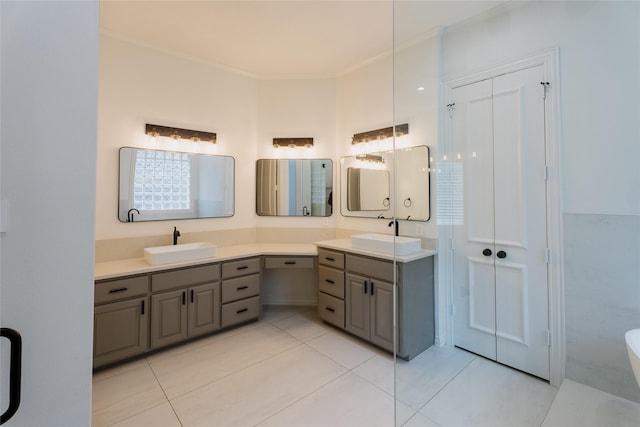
[
  {"x": 380, "y": 134},
  {"x": 176, "y": 133},
  {"x": 293, "y": 142},
  {"x": 370, "y": 158}
]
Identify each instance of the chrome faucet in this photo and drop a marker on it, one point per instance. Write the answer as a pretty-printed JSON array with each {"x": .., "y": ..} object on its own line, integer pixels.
[
  {"x": 394, "y": 224},
  {"x": 176, "y": 234},
  {"x": 130, "y": 214}
]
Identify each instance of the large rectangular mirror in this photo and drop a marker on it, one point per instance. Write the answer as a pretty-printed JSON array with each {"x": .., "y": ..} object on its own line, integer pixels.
[
  {"x": 162, "y": 185},
  {"x": 367, "y": 181},
  {"x": 294, "y": 187}
]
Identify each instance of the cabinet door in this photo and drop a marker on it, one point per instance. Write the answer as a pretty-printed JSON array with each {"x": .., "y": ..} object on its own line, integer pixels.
[
  {"x": 204, "y": 308},
  {"x": 381, "y": 303},
  {"x": 120, "y": 330},
  {"x": 168, "y": 318},
  {"x": 357, "y": 305}
]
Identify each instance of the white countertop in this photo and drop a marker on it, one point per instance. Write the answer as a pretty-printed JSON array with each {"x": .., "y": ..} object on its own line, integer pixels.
[
  {"x": 126, "y": 267},
  {"x": 345, "y": 245}
]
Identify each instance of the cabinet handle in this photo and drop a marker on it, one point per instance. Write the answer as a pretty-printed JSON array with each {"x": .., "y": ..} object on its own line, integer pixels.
[
  {"x": 240, "y": 288},
  {"x": 330, "y": 281},
  {"x": 487, "y": 252},
  {"x": 371, "y": 288},
  {"x": 290, "y": 263},
  {"x": 192, "y": 295},
  {"x": 329, "y": 259},
  {"x": 365, "y": 286},
  {"x": 242, "y": 311},
  {"x": 330, "y": 309},
  {"x": 113, "y": 291},
  {"x": 501, "y": 254},
  {"x": 244, "y": 267},
  {"x": 142, "y": 308},
  {"x": 184, "y": 298},
  {"x": 15, "y": 372}
]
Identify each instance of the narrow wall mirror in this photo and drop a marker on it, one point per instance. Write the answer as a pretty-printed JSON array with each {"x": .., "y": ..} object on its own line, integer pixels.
[
  {"x": 163, "y": 185},
  {"x": 367, "y": 181},
  {"x": 294, "y": 187}
]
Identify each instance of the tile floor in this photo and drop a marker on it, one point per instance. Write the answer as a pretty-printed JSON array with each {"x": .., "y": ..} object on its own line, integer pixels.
[{"x": 289, "y": 369}]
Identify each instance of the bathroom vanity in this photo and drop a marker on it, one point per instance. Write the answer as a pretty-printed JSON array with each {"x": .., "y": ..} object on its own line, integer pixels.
[
  {"x": 141, "y": 308},
  {"x": 355, "y": 293}
]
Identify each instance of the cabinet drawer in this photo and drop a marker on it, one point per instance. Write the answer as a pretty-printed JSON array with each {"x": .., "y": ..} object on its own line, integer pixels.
[
  {"x": 331, "y": 281},
  {"x": 331, "y": 309},
  {"x": 331, "y": 258},
  {"x": 288, "y": 262},
  {"x": 370, "y": 267},
  {"x": 185, "y": 277},
  {"x": 240, "y": 311},
  {"x": 120, "y": 289},
  {"x": 241, "y": 287},
  {"x": 240, "y": 268}
]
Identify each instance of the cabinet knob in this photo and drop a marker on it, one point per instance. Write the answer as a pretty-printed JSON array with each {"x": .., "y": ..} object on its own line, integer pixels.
[
  {"x": 501, "y": 254},
  {"x": 487, "y": 252}
]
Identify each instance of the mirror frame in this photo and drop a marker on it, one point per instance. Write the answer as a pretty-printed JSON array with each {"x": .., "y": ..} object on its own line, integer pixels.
[
  {"x": 268, "y": 176},
  {"x": 125, "y": 187},
  {"x": 407, "y": 208}
]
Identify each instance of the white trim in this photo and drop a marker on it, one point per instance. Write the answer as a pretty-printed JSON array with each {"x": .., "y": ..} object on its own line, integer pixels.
[{"x": 549, "y": 60}]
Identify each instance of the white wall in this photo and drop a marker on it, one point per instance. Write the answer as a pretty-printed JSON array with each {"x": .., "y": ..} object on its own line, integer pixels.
[
  {"x": 599, "y": 69},
  {"x": 366, "y": 101},
  {"x": 599, "y": 88},
  {"x": 297, "y": 108},
  {"x": 139, "y": 85},
  {"x": 49, "y": 60}
]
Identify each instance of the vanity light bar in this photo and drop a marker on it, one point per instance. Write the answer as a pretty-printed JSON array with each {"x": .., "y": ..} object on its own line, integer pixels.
[
  {"x": 370, "y": 158},
  {"x": 293, "y": 142},
  {"x": 378, "y": 134},
  {"x": 177, "y": 133}
]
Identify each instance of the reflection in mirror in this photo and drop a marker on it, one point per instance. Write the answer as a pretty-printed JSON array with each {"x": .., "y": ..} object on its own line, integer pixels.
[
  {"x": 367, "y": 189},
  {"x": 366, "y": 181},
  {"x": 294, "y": 187},
  {"x": 162, "y": 185}
]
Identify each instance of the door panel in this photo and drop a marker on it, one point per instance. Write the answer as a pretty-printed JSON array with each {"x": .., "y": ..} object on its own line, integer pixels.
[
  {"x": 168, "y": 318},
  {"x": 204, "y": 309},
  {"x": 504, "y": 212},
  {"x": 520, "y": 197},
  {"x": 357, "y": 306},
  {"x": 473, "y": 274},
  {"x": 382, "y": 314}
]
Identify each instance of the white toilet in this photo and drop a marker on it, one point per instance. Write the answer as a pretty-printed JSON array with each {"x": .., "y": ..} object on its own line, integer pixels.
[{"x": 632, "y": 338}]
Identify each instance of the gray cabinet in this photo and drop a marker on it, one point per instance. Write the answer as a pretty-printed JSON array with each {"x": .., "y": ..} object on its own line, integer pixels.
[
  {"x": 369, "y": 309},
  {"x": 356, "y": 293},
  {"x": 120, "y": 321},
  {"x": 240, "y": 291},
  {"x": 168, "y": 318},
  {"x": 331, "y": 287},
  {"x": 184, "y": 303}
]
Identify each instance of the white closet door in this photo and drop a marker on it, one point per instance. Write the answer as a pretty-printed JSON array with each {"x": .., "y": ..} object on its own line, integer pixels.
[
  {"x": 474, "y": 273},
  {"x": 500, "y": 270},
  {"x": 520, "y": 221}
]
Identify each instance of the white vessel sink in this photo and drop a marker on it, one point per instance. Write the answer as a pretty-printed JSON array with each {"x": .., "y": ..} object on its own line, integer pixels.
[
  {"x": 179, "y": 253},
  {"x": 386, "y": 244},
  {"x": 632, "y": 339}
]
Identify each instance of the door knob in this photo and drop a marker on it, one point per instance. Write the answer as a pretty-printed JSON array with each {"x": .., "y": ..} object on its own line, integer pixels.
[
  {"x": 501, "y": 254},
  {"x": 487, "y": 252}
]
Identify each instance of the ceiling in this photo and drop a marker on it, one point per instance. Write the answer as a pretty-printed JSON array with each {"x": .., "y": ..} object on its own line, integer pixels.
[{"x": 298, "y": 38}]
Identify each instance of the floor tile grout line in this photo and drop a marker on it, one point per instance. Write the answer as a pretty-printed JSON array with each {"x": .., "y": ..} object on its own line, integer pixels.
[
  {"x": 164, "y": 393},
  {"x": 473, "y": 358},
  {"x": 303, "y": 397},
  {"x": 237, "y": 371}
]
